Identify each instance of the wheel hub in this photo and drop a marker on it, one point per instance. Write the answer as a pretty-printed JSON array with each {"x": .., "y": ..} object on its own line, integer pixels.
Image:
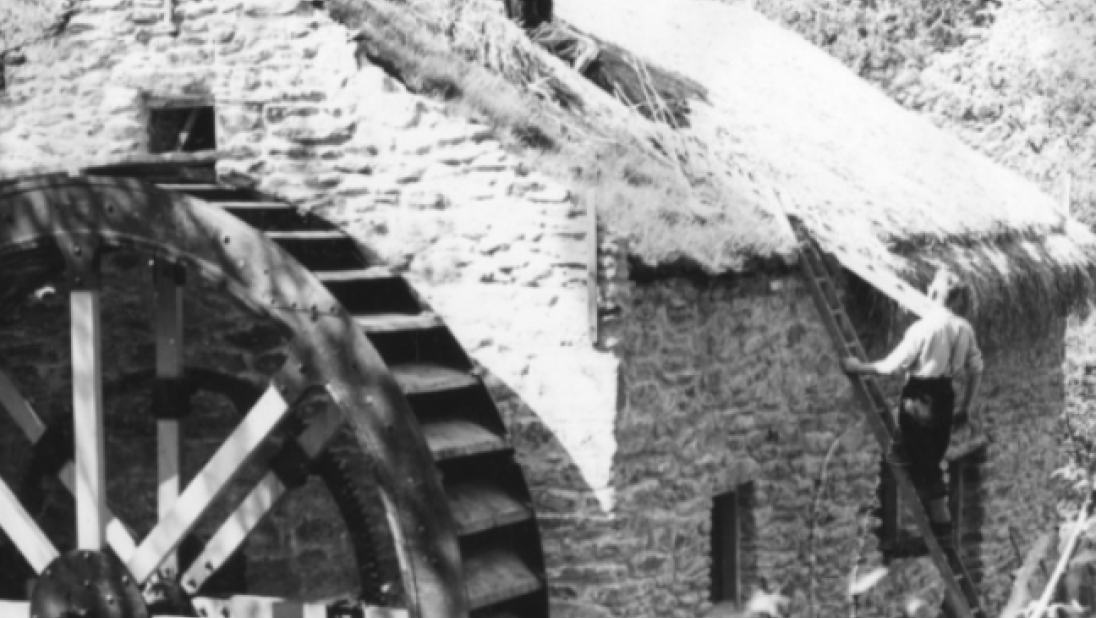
[{"x": 86, "y": 584}]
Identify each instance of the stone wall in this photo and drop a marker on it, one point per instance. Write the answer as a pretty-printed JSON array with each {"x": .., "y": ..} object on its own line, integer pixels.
[{"x": 726, "y": 382}]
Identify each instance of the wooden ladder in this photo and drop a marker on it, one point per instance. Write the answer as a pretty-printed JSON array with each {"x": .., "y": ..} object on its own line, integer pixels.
[{"x": 961, "y": 593}]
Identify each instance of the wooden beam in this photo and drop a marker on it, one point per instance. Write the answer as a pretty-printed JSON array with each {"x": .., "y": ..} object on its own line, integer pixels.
[
  {"x": 20, "y": 410},
  {"x": 225, "y": 464},
  {"x": 169, "y": 369},
  {"x": 260, "y": 501},
  {"x": 24, "y": 532},
  {"x": 33, "y": 427},
  {"x": 248, "y": 606},
  {"x": 87, "y": 409},
  {"x": 14, "y": 609},
  {"x": 260, "y": 607},
  {"x": 228, "y": 538},
  {"x": 118, "y": 537}
]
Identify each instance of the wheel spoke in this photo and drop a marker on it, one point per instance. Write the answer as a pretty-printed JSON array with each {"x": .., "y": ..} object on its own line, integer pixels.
[
  {"x": 33, "y": 427},
  {"x": 20, "y": 410},
  {"x": 224, "y": 543},
  {"x": 258, "y": 503},
  {"x": 87, "y": 409},
  {"x": 24, "y": 532},
  {"x": 225, "y": 464},
  {"x": 170, "y": 406},
  {"x": 118, "y": 537}
]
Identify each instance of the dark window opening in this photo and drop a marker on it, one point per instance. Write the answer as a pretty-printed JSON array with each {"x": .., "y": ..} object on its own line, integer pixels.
[
  {"x": 732, "y": 535},
  {"x": 182, "y": 129}
]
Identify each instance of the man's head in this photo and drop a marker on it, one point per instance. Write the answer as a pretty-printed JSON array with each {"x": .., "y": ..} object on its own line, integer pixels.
[{"x": 950, "y": 291}]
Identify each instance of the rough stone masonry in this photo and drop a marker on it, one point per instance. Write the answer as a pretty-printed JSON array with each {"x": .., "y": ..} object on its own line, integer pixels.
[{"x": 692, "y": 388}]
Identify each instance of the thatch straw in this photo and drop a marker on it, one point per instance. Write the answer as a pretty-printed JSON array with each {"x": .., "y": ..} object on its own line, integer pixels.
[{"x": 859, "y": 170}]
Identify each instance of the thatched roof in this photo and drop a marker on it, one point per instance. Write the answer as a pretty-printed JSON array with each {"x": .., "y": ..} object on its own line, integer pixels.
[{"x": 861, "y": 172}]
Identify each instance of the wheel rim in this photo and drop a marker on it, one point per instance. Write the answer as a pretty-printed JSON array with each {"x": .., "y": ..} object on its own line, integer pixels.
[{"x": 81, "y": 216}]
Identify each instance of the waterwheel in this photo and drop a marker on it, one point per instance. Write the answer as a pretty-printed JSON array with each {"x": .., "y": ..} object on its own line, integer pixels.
[{"x": 369, "y": 408}]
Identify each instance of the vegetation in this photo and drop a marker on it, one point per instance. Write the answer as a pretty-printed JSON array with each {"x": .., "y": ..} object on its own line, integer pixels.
[
  {"x": 1013, "y": 79},
  {"x": 564, "y": 125}
]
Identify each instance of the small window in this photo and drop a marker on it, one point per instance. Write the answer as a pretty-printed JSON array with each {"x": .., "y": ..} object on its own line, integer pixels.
[
  {"x": 182, "y": 129},
  {"x": 731, "y": 531}
]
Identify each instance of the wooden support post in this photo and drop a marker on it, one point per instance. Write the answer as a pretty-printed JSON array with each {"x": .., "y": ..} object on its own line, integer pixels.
[
  {"x": 592, "y": 272},
  {"x": 169, "y": 283},
  {"x": 87, "y": 409}
]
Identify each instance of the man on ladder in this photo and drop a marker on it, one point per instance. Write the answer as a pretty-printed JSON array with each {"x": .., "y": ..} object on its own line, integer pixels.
[{"x": 935, "y": 350}]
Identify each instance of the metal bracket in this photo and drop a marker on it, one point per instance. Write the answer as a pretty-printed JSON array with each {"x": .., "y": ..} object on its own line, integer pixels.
[{"x": 82, "y": 257}]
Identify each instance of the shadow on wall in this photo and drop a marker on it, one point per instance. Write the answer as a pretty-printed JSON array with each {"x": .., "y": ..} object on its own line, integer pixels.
[{"x": 571, "y": 510}]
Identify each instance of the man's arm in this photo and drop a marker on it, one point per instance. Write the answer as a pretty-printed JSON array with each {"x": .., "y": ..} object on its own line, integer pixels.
[
  {"x": 975, "y": 366},
  {"x": 899, "y": 360},
  {"x": 970, "y": 395}
]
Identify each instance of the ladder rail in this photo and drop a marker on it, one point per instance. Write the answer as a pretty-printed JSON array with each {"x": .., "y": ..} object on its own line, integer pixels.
[{"x": 960, "y": 587}]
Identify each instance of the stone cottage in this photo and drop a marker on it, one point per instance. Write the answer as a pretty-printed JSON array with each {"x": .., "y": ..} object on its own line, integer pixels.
[{"x": 667, "y": 386}]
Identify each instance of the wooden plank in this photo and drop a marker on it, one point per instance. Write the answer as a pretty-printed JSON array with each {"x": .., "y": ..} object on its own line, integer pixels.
[
  {"x": 397, "y": 322},
  {"x": 169, "y": 368},
  {"x": 118, "y": 537},
  {"x": 496, "y": 574},
  {"x": 253, "y": 606},
  {"x": 33, "y": 428},
  {"x": 224, "y": 543},
  {"x": 20, "y": 410},
  {"x": 480, "y": 505},
  {"x": 592, "y": 272},
  {"x": 262, "y": 498},
  {"x": 458, "y": 438},
  {"x": 168, "y": 485},
  {"x": 87, "y": 410},
  {"x": 344, "y": 276},
  {"x": 417, "y": 378},
  {"x": 307, "y": 235},
  {"x": 24, "y": 532},
  {"x": 255, "y": 206},
  {"x": 14, "y": 609},
  {"x": 196, "y": 187},
  {"x": 225, "y": 464}
]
